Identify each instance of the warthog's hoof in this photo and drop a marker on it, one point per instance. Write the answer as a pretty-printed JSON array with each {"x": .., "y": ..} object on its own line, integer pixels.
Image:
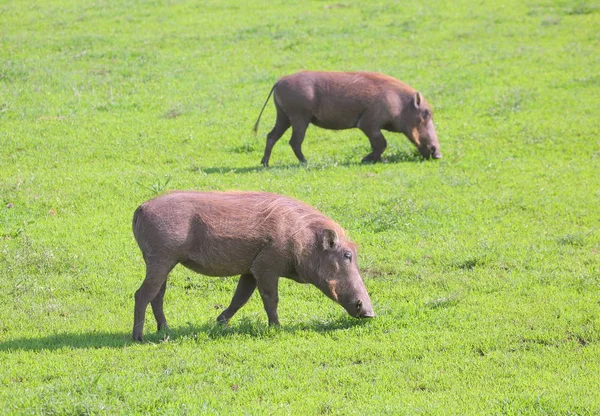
[
  {"x": 369, "y": 160},
  {"x": 222, "y": 320}
]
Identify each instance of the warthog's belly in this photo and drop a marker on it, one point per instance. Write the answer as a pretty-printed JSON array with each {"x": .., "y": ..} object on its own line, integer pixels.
[
  {"x": 216, "y": 270},
  {"x": 335, "y": 124}
]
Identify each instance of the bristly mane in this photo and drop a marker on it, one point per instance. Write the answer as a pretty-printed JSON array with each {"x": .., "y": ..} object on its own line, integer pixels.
[
  {"x": 303, "y": 224},
  {"x": 298, "y": 222}
]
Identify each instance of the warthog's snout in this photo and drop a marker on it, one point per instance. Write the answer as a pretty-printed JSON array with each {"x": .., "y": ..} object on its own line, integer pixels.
[
  {"x": 362, "y": 311},
  {"x": 430, "y": 152}
]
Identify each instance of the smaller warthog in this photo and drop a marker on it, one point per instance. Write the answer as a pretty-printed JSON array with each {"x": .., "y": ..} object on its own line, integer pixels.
[
  {"x": 260, "y": 236},
  {"x": 343, "y": 100}
]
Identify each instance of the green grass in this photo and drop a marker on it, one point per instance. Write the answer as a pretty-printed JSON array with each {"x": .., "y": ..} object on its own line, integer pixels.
[{"x": 483, "y": 267}]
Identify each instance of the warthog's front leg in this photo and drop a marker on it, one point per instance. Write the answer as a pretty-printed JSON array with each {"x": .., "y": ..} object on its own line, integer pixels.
[
  {"x": 378, "y": 145},
  {"x": 267, "y": 287},
  {"x": 244, "y": 290}
]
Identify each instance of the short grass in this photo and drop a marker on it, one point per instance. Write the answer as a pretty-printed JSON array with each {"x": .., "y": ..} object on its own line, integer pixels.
[{"x": 483, "y": 267}]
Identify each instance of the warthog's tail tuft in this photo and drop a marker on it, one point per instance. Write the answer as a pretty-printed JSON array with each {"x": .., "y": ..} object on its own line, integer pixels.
[{"x": 263, "y": 109}]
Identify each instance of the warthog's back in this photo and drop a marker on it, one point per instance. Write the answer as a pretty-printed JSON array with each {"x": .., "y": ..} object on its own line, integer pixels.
[
  {"x": 220, "y": 233},
  {"x": 337, "y": 100}
]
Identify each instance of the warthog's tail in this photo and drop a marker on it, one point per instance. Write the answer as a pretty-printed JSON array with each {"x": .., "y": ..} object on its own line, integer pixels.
[
  {"x": 134, "y": 223},
  {"x": 263, "y": 109}
]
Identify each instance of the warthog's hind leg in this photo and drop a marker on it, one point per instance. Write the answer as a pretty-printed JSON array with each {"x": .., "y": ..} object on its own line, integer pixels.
[
  {"x": 281, "y": 125},
  {"x": 156, "y": 276},
  {"x": 157, "y": 309},
  {"x": 298, "y": 132}
]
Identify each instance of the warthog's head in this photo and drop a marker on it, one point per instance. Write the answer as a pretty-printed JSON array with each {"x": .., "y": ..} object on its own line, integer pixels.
[
  {"x": 336, "y": 273},
  {"x": 421, "y": 130}
]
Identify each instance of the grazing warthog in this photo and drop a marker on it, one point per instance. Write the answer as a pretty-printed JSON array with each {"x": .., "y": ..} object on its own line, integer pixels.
[
  {"x": 343, "y": 100},
  {"x": 260, "y": 236}
]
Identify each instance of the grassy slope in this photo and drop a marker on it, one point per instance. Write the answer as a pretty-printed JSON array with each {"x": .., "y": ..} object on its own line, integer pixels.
[{"x": 483, "y": 266}]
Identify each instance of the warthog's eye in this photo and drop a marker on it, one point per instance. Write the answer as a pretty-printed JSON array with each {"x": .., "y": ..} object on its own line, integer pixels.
[
  {"x": 358, "y": 306},
  {"x": 348, "y": 255},
  {"x": 426, "y": 115}
]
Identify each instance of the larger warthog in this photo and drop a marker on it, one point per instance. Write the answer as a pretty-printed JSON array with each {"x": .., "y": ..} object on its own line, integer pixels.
[
  {"x": 260, "y": 236},
  {"x": 343, "y": 100}
]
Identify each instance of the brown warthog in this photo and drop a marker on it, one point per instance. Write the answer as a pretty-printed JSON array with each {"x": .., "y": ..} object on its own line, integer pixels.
[
  {"x": 344, "y": 100},
  {"x": 260, "y": 236}
]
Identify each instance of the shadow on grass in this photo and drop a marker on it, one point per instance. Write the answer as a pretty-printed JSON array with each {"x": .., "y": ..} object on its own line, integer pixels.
[
  {"x": 69, "y": 341},
  {"x": 245, "y": 327},
  {"x": 393, "y": 158},
  {"x": 259, "y": 329}
]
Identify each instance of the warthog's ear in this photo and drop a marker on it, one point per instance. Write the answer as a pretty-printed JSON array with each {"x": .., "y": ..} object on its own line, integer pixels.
[
  {"x": 330, "y": 239},
  {"x": 417, "y": 100}
]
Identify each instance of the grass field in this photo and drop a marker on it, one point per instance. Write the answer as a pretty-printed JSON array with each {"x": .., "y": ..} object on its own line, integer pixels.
[{"x": 483, "y": 267}]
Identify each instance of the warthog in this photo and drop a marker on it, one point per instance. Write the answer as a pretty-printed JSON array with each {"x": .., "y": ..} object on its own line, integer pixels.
[
  {"x": 260, "y": 236},
  {"x": 343, "y": 100}
]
